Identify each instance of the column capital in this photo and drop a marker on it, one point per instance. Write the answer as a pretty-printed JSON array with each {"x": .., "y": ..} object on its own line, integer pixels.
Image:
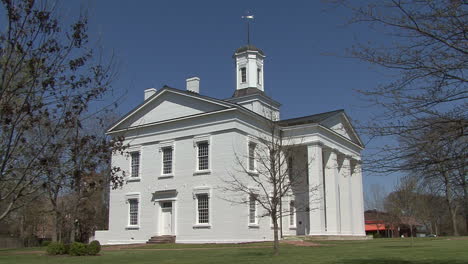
[{"x": 316, "y": 143}]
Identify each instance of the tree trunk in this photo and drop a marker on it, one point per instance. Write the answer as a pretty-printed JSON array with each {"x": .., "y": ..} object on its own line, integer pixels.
[
  {"x": 276, "y": 239},
  {"x": 281, "y": 217},
  {"x": 411, "y": 235},
  {"x": 465, "y": 204},
  {"x": 451, "y": 206},
  {"x": 55, "y": 227}
]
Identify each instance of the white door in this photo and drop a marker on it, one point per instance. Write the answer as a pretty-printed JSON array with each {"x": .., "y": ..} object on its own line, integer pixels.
[{"x": 166, "y": 219}]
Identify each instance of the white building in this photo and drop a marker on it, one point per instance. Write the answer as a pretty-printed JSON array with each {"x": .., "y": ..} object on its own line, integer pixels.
[{"x": 182, "y": 145}]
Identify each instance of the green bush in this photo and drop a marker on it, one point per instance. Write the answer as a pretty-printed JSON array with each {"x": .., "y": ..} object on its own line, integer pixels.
[
  {"x": 78, "y": 249},
  {"x": 56, "y": 248},
  {"x": 45, "y": 243},
  {"x": 67, "y": 249},
  {"x": 377, "y": 235},
  {"x": 94, "y": 248}
]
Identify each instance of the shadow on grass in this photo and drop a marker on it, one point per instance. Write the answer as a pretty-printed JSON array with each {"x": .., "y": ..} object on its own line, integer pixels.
[
  {"x": 399, "y": 261},
  {"x": 257, "y": 253}
]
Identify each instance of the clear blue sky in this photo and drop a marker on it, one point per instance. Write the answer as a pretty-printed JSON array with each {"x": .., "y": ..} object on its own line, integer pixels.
[{"x": 165, "y": 42}]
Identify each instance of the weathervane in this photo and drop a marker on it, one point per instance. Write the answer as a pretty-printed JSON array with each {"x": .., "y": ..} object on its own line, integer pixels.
[{"x": 247, "y": 18}]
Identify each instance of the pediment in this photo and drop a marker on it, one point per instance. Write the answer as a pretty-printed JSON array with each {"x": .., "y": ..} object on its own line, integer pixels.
[
  {"x": 341, "y": 125},
  {"x": 167, "y": 105}
]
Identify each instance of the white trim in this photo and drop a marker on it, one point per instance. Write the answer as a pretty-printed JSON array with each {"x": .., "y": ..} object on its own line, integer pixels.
[
  {"x": 128, "y": 197},
  {"x": 252, "y": 140},
  {"x": 132, "y": 150},
  {"x": 197, "y": 140},
  {"x": 294, "y": 215},
  {"x": 199, "y": 191},
  {"x": 152, "y": 98},
  {"x": 254, "y": 224},
  {"x": 169, "y": 121},
  {"x": 161, "y": 147}
]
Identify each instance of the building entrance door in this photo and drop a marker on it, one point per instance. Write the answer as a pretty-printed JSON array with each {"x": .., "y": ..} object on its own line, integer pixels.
[{"x": 166, "y": 218}]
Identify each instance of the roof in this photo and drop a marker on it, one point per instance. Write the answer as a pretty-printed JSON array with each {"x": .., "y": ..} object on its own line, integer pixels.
[
  {"x": 287, "y": 122},
  {"x": 167, "y": 88},
  {"x": 249, "y": 48},
  {"x": 317, "y": 118},
  {"x": 247, "y": 91}
]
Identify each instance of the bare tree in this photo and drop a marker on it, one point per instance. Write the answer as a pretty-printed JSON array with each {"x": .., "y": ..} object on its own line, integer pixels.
[
  {"x": 403, "y": 203},
  {"x": 265, "y": 176},
  {"x": 375, "y": 200},
  {"x": 49, "y": 76},
  {"x": 438, "y": 157},
  {"x": 425, "y": 48}
]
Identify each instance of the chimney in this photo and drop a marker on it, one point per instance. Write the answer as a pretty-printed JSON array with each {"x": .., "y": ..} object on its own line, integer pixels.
[
  {"x": 193, "y": 84},
  {"x": 149, "y": 92}
]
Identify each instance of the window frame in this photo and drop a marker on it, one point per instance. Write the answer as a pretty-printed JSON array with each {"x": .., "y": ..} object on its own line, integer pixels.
[
  {"x": 243, "y": 73},
  {"x": 252, "y": 162},
  {"x": 131, "y": 152},
  {"x": 259, "y": 76},
  {"x": 292, "y": 214},
  {"x": 162, "y": 147},
  {"x": 196, "y": 193},
  {"x": 199, "y": 140},
  {"x": 252, "y": 141},
  {"x": 128, "y": 198},
  {"x": 249, "y": 211}
]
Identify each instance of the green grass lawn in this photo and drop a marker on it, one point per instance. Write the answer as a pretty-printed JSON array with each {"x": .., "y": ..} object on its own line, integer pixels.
[{"x": 378, "y": 251}]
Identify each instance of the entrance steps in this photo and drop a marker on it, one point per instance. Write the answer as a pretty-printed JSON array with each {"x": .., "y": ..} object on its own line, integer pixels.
[{"x": 161, "y": 240}]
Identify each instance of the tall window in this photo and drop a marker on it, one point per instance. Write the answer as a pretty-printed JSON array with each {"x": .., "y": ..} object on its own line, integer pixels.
[
  {"x": 133, "y": 211},
  {"x": 290, "y": 168},
  {"x": 252, "y": 209},
  {"x": 292, "y": 214},
  {"x": 135, "y": 164},
  {"x": 243, "y": 71},
  {"x": 167, "y": 160},
  {"x": 252, "y": 156},
  {"x": 259, "y": 79},
  {"x": 203, "y": 209},
  {"x": 203, "y": 155}
]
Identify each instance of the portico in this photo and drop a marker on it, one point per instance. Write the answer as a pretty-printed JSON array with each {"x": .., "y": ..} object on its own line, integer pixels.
[{"x": 334, "y": 178}]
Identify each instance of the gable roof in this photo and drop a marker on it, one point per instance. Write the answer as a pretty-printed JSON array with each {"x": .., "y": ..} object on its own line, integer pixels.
[
  {"x": 310, "y": 119},
  {"x": 318, "y": 119},
  {"x": 166, "y": 89}
]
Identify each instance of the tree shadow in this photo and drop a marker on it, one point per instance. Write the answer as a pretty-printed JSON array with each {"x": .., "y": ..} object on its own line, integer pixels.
[{"x": 400, "y": 261}]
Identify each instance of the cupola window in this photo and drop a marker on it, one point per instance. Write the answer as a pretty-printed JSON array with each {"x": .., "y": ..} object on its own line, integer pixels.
[{"x": 243, "y": 71}]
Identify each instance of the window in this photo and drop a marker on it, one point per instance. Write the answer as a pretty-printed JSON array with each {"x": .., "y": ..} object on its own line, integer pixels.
[
  {"x": 133, "y": 218},
  {"x": 290, "y": 168},
  {"x": 252, "y": 209},
  {"x": 203, "y": 209},
  {"x": 135, "y": 164},
  {"x": 167, "y": 160},
  {"x": 252, "y": 156},
  {"x": 203, "y": 155},
  {"x": 259, "y": 75},
  {"x": 292, "y": 214},
  {"x": 243, "y": 71}
]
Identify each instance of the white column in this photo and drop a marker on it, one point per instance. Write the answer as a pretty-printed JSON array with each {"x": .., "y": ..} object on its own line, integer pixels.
[
  {"x": 358, "y": 200},
  {"x": 316, "y": 187},
  {"x": 331, "y": 192},
  {"x": 345, "y": 197}
]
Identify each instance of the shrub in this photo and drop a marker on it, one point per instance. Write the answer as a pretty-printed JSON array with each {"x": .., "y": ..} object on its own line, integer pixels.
[
  {"x": 55, "y": 248},
  {"x": 377, "y": 235},
  {"x": 67, "y": 248},
  {"x": 94, "y": 248},
  {"x": 45, "y": 243},
  {"x": 78, "y": 249}
]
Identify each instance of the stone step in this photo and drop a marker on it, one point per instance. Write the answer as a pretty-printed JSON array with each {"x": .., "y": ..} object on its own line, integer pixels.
[{"x": 161, "y": 239}]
